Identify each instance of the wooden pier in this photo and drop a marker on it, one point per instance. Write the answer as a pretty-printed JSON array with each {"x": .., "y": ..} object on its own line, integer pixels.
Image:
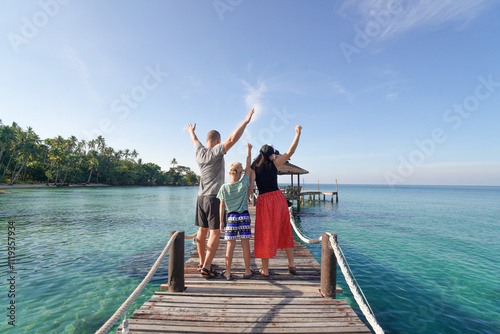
[
  {"x": 311, "y": 194},
  {"x": 297, "y": 195},
  {"x": 282, "y": 303}
]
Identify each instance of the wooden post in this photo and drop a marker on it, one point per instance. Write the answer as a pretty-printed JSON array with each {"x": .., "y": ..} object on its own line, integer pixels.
[
  {"x": 176, "y": 264},
  {"x": 337, "y": 194},
  {"x": 328, "y": 268}
]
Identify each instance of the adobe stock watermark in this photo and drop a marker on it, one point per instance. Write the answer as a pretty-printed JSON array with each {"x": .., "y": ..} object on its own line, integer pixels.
[
  {"x": 426, "y": 314},
  {"x": 30, "y": 26},
  {"x": 379, "y": 21},
  {"x": 223, "y": 6},
  {"x": 121, "y": 107},
  {"x": 454, "y": 117},
  {"x": 279, "y": 122}
]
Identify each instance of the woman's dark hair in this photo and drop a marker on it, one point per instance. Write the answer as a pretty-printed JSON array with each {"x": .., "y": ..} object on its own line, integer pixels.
[{"x": 259, "y": 160}]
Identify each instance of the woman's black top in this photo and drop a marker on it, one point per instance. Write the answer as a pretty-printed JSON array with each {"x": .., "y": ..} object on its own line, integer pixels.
[{"x": 266, "y": 177}]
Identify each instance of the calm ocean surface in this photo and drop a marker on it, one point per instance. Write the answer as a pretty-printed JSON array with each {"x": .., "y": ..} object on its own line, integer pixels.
[{"x": 426, "y": 257}]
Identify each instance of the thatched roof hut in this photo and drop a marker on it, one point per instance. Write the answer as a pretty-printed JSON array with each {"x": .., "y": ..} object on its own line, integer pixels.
[{"x": 291, "y": 169}]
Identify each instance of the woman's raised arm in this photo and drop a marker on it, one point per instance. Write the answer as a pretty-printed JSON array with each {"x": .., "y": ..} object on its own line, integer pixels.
[{"x": 279, "y": 161}]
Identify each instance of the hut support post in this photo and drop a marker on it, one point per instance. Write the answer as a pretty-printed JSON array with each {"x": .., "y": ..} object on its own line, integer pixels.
[
  {"x": 328, "y": 268},
  {"x": 336, "y": 192},
  {"x": 176, "y": 264},
  {"x": 298, "y": 192}
]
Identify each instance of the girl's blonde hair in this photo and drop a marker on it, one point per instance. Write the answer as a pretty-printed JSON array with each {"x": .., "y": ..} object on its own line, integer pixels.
[{"x": 235, "y": 166}]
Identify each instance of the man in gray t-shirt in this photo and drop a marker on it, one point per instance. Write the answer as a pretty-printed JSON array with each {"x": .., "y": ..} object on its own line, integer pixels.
[
  {"x": 211, "y": 162},
  {"x": 210, "y": 158}
]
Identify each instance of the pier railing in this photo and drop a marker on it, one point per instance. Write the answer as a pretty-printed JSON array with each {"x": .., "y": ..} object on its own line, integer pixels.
[{"x": 331, "y": 255}]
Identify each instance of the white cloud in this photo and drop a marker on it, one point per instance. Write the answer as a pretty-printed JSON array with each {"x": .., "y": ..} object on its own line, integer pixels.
[
  {"x": 339, "y": 89},
  {"x": 412, "y": 15},
  {"x": 83, "y": 73},
  {"x": 253, "y": 98},
  {"x": 391, "y": 96},
  {"x": 188, "y": 84},
  {"x": 192, "y": 81}
]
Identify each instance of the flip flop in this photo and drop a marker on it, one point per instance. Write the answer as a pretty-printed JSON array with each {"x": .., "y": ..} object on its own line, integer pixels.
[
  {"x": 261, "y": 271},
  {"x": 249, "y": 276},
  {"x": 230, "y": 278},
  {"x": 292, "y": 271}
]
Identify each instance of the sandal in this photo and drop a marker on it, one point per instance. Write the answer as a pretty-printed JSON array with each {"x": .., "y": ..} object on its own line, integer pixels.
[
  {"x": 292, "y": 271},
  {"x": 261, "y": 271},
  {"x": 200, "y": 266},
  {"x": 252, "y": 274},
  {"x": 208, "y": 273},
  {"x": 230, "y": 278}
]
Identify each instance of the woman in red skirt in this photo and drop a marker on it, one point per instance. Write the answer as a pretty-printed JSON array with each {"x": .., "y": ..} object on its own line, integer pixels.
[{"x": 272, "y": 222}]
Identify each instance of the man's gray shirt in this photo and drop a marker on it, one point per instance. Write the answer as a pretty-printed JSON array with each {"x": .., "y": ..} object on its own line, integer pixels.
[{"x": 211, "y": 162}]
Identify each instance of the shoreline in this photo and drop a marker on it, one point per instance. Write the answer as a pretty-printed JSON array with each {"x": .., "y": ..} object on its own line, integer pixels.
[{"x": 7, "y": 186}]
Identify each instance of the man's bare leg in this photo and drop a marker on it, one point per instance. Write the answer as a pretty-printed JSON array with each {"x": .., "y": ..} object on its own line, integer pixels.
[
  {"x": 201, "y": 243},
  {"x": 213, "y": 244}
]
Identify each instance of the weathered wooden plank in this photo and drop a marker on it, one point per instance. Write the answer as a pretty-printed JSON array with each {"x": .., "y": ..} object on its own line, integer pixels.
[
  {"x": 219, "y": 291},
  {"x": 285, "y": 284},
  {"x": 244, "y": 307},
  {"x": 246, "y": 290},
  {"x": 199, "y": 324},
  {"x": 248, "y": 319},
  {"x": 208, "y": 299},
  {"x": 229, "y": 310},
  {"x": 145, "y": 328}
]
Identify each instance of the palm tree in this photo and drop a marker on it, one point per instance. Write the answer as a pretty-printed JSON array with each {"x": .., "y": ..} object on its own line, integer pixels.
[
  {"x": 28, "y": 151},
  {"x": 101, "y": 143},
  {"x": 92, "y": 157},
  {"x": 58, "y": 154},
  {"x": 15, "y": 145},
  {"x": 7, "y": 138},
  {"x": 134, "y": 154}
]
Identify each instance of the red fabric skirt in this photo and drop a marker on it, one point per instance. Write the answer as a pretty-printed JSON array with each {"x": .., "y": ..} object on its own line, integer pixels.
[{"x": 272, "y": 225}]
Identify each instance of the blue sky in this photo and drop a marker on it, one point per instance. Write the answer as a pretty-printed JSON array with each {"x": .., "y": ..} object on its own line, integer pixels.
[{"x": 387, "y": 92}]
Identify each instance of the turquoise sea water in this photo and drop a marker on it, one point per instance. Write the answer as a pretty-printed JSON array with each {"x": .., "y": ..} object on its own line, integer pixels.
[{"x": 427, "y": 258}]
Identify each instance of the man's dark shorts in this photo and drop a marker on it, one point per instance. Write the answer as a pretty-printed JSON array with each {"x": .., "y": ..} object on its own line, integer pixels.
[{"x": 207, "y": 212}]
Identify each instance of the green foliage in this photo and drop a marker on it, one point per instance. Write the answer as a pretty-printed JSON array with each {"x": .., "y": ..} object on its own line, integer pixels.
[{"x": 26, "y": 158}]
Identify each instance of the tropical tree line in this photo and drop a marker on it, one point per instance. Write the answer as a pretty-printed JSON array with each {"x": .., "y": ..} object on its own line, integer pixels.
[{"x": 24, "y": 157}]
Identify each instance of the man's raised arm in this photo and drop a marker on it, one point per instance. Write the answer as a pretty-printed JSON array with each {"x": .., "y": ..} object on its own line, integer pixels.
[
  {"x": 190, "y": 128},
  {"x": 236, "y": 135}
]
